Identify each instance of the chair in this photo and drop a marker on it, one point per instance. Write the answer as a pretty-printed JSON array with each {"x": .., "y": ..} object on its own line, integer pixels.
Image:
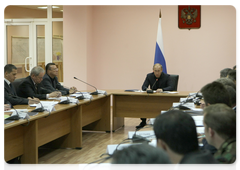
[
  {"x": 174, "y": 80},
  {"x": 16, "y": 83}
]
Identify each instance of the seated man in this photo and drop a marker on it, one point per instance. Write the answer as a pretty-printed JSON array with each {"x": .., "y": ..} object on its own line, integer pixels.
[
  {"x": 220, "y": 131},
  {"x": 31, "y": 86},
  {"x": 224, "y": 72},
  {"x": 235, "y": 76},
  {"x": 10, "y": 95},
  {"x": 158, "y": 81},
  {"x": 140, "y": 154},
  {"x": 213, "y": 93},
  {"x": 4, "y": 104},
  {"x": 50, "y": 80},
  {"x": 176, "y": 133}
]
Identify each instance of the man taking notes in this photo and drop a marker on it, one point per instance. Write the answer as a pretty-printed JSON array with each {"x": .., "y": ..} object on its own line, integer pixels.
[
  {"x": 31, "y": 86},
  {"x": 50, "y": 80},
  {"x": 158, "y": 81},
  {"x": 10, "y": 95}
]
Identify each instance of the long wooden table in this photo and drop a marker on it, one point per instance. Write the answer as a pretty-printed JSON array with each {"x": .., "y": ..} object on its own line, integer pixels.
[
  {"x": 63, "y": 127},
  {"x": 65, "y": 124},
  {"x": 141, "y": 105}
]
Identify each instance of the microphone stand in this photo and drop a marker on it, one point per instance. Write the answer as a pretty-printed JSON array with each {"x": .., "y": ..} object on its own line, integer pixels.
[
  {"x": 151, "y": 91},
  {"x": 93, "y": 93}
]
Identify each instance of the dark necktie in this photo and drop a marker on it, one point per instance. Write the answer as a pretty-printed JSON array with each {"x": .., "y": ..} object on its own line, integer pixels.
[
  {"x": 12, "y": 89},
  {"x": 36, "y": 88}
]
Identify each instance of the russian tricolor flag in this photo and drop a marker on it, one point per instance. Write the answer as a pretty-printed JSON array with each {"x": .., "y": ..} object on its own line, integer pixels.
[{"x": 159, "y": 54}]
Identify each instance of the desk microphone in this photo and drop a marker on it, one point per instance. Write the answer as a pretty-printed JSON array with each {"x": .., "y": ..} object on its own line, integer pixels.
[
  {"x": 80, "y": 97},
  {"x": 65, "y": 101},
  {"x": 151, "y": 91},
  {"x": 14, "y": 117},
  {"x": 41, "y": 109},
  {"x": 93, "y": 93}
]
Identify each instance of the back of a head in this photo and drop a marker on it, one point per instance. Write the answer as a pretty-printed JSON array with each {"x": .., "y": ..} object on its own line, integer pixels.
[
  {"x": 235, "y": 75},
  {"x": 232, "y": 93},
  {"x": 178, "y": 130},
  {"x": 224, "y": 72},
  {"x": 222, "y": 119},
  {"x": 140, "y": 154},
  {"x": 36, "y": 70},
  {"x": 215, "y": 92},
  {"x": 226, "y": 81}
]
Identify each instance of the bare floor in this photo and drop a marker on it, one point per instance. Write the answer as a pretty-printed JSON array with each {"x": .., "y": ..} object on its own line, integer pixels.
[{"x": 94, "y": 145}]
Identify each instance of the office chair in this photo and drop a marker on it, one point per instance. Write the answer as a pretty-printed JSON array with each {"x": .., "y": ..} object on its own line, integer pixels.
[
  {"x": 174, "y": 79},
  {"x": 16, "y": 83}
]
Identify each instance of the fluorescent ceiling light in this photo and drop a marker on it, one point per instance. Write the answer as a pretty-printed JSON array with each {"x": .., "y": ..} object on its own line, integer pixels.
[
  {"x": 57, "y": 2},
  {"x": 45, "y": 7},
  {"x": 22, "y": 3}
]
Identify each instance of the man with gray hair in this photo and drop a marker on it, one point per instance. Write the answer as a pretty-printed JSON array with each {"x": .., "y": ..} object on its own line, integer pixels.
[{"x": 31, "y": 86}]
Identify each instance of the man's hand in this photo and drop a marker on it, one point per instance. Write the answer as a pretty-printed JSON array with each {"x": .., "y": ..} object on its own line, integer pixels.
[
  {"x": 72, "y": 90},
  {"x": 55, "y": 94},
  {"x": 7, "y": 107},
  {"x": 159, "y": 90},
  {"x": 33, "y": 100}
]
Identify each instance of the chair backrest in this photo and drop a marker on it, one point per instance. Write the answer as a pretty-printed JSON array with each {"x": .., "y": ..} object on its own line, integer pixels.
[
  {"x": 174, "y": 79},
  {"x": 16, "y": 83}
]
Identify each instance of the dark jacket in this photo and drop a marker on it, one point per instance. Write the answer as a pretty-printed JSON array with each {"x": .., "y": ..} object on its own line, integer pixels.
[
  {"x": 10, "y": 97},
  {"x": 164, "y": 82},
  {"x": 53, "y": 84}
]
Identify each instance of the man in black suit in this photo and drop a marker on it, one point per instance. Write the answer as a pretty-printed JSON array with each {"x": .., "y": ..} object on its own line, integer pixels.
[
  {"x": 10, "y": 95},
  {"x": 158, "y": 81},
  {"x": 50, "y": 80},
  {"x": 4, "y": 104},
  {"x": 176, "y": 134},
  {"x": 31, "y": 86}
]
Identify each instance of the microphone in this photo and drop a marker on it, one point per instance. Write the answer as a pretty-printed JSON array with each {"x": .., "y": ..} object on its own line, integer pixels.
[
  {"x": 41, "y": 109},
  {"x": 93, "y": 93},
  {"x": 14, "y": 117},
  {"x": 65, "y": 101},
  {"x": 151, "y": 91},
  {"x": 80, "y": 97}
]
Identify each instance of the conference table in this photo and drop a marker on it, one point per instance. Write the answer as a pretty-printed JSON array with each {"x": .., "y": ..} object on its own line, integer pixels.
[
  {"x": 63, "y": 127},
  {"x": 141, "y": 104}
]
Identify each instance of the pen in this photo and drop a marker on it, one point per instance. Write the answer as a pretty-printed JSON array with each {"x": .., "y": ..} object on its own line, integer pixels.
[{"x": 203, "y": 136}]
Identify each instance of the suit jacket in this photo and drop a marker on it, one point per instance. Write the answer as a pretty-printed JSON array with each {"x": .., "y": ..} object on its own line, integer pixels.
[
  {"x": 27, "y": 89},
  {"x": 164, "y": 82},
  {"x": 11, "y": 97},
  {"x": 53, "y": 84},
  {"x": 199, "y": 157},
  {"x": 3, "y": 100}
]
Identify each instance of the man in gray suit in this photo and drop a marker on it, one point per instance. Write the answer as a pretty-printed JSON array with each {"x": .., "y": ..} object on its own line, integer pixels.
[{"x": 10, "y": 95}]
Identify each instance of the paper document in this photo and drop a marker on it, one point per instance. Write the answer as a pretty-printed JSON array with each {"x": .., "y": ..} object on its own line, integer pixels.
[
  {"x": 198, "y": 120},
  {"x": 189, "y": 105},
  {"x": 147, "y": 134}
]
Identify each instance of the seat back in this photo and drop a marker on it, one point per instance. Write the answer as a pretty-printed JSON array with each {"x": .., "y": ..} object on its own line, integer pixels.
[
  {"x": 16, "y": 83},
  {"x": 174, "y": 80}
]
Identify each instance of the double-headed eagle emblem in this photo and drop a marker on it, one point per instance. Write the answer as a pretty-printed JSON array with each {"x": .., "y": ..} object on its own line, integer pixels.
[{"x": 189, "y": 15}]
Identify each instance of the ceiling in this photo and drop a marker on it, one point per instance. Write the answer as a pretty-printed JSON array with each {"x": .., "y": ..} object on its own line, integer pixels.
[{"x": 37, "y": 3}]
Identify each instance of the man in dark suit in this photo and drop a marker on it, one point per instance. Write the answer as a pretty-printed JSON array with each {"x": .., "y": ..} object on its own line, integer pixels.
[
  {"x": 176, "y": 134},
  {"x": 31, "y": 86},
  {"x": 157, "y": 80},
  {"x": 10, "y": 95},
  {"x": 50, "y": 80},
  {"x": 4, "y": 104}
]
